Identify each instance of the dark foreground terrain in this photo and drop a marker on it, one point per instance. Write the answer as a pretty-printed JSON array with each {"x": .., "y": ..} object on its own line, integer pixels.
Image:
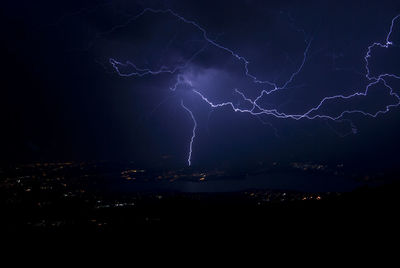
[{"x": 61, "y": 198}]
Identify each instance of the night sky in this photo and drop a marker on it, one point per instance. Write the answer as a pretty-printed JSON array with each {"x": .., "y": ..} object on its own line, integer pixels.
[{"x": 61, "y": 99}]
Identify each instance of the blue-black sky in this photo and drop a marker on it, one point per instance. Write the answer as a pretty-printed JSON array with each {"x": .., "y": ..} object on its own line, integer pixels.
[{"x": 62, "y": 99}]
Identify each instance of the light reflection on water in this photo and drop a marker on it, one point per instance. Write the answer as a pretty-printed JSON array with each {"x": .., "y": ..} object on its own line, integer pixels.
[{"x": 303, "y": 183}]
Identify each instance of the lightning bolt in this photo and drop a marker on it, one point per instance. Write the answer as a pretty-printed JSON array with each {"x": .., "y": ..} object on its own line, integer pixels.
[
  {"x": 271, "y": 87},
  {"x": 193, "y": 133}
]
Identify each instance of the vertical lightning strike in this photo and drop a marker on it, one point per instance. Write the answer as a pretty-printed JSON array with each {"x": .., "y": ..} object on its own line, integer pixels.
[{"x": 193, "y": 133}]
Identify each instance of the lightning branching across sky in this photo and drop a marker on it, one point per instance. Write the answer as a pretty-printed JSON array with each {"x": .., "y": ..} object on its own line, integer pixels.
[{"x": 270, "y": 87}]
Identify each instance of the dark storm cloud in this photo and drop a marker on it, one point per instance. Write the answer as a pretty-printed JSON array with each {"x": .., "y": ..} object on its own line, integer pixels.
[{"x": 62, "y": 99}]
